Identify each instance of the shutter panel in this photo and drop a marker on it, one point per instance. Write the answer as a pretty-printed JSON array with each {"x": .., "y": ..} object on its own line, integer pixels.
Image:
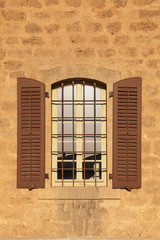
[
  {"x": 30, "y": 133},
  {"x": 127, "y": 133}
]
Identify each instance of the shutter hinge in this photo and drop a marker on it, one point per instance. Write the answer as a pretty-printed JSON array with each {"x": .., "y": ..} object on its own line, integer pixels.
[
  {"x": 127, "y": 188},
  {"x": 31, "y": 187},
  {"x": 110, "y": 176},
  {"x": 110, "y": 94},
  {"x": 47, "y": 94},
  {"x": 46, "y": 175}
]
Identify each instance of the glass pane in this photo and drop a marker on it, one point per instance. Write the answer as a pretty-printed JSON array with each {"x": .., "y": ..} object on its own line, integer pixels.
[
  {"x": 67, "y": 91},
  {"x": 98, "y": 110},
  {"x": 98, "y": 128},
  {"x": 67, "y": 170},
  {"x": 89, "y": 93},
  {"x": 98, "y": 94},
  {"x": 90, "y": 172},
  {"x": 68, "y": 127},
  {"x": 89, "y": 128},
  {"x": 59, "y": 93},
  {"x": 67, "y": 111},
  {"x": 89, "y": 110},
  {"x": 59, "y": 110}
]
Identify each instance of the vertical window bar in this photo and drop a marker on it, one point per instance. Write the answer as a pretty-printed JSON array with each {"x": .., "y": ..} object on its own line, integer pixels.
[
  {"x": 62, "y": 85},
  {"x": 73, "y": 124},
  {"x": 84, "y": 130},
  {"x": 95, "y": 131}
]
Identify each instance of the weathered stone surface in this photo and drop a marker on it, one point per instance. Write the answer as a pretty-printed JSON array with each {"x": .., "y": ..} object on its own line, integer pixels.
[
  {"x": 52, "y": 28},
  {"x": 28, "y": 3},
  {"x": 21, "y": 53},
  {"x": 149, "y": 13},
  {"x": 121, "y": 40},
  {"x": 2, "y": 4},
  {"x": 17, "y": 74},
  {"x": 143, "y": 26},
  {"x": 153, "y": 63},
  {"x": 88, "y": 52},
  {"x": 32, "y": 41},
  {"x": 93, "y": 27},
  {"x": 143, "y": 2},
  {"x": 120, "y": 3},
  {"x": 33, "y": 28},
  {"x": 2, "y": 53},
  {"x": 52, "y": 2},
  {"x": 97, "y": 3},
  {"x": 11, "y": 40},
  {"x": 105, "y": 14},
  {"x": 114, "y": 27},
  {"x": 149, "y": 121},
  {"x": 13, "y": 15},
  {"x": 100, "y": 40},
  {"x": 75, "y": 27},
  {"x": 106, "y": 52},
  {"x": 74, "y": 3},
  {"x": 13, "y": 65},
  {"x": 77, "y": 39},
  {"x": 148, "y": 52}
]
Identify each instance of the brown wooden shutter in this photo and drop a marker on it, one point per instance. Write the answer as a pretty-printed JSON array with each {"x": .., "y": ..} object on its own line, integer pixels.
[
  {"x": 30, "y": 133},
  {"x": 127, "y": 133}
]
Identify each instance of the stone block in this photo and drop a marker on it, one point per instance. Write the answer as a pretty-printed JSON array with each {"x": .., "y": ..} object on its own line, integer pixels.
[
  {"x": 52, "y": 2},
  {"x": 28, "y": 3},
  {"x": 102, "y": 39},
  {"x": 93, "y": 27},
  {"x": 52, "y": 28},
  {"x": 153, "y": 63},
  {"x": 11, "y": 40},
  {"x": 97, "y": 3},
  {"x": 143, "y": 2},
  {"x": 13, "y": 15},
  {"x": 76, "y": 39},
  {"x": 120, "y": 3},
  {"x": 143, "y": 26},
  {"x": 33, "y": 28},
  {"x": 17, "y": 74},
  {"x": 149, "y": 13},
  {"x": 88, "y": 52},
  {"x": 106, "y": 52},
  {"x": 114, "y": 27},
  {"x": 74, "y": 3},
  {"x": 2, "y": 53},
  {"x": 105, "y": 14},
  {"x": 121, "y": 40},
  {"x": 74, "y": 27},
  {"x": 2, "y": 4},
  {"x": 13, "y": 65},
  {"x": 149, "y": 121},
  {"x": 32, "y": 41}
]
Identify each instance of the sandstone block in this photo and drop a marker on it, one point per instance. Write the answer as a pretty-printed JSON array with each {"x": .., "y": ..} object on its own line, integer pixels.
[
  {"x": 11, "y": 40},
  {"x": 88, "y": 52},
  {"x": 143, "y": 26},
  {"x": 150, "y": 90},
  {"x": 105, "y": 14},
  {"x": 13, "y": 15},
  {"x": 93, "y": 27},
  {"x": 121, "y": 40},
  {"x": 100, "y": 40},
  {"x": 158, "y": 74},
  {"x": 106, "y": 52},
  {"x": 44, "y": 52},
  {"x": 2, "y": 4},
  {"x": 153, "y": 63},
  {"x": 2, "y": 53},
  {"x": 149, "y": 121},
  {"x": 32, "y": 41},
  {"x": 77, "y": 39},
  {"x": 97, "y": 3},
  {"x": 74, "y": 3},
  {"x": 143, "y": 2},
  {"x": 42, "y": 15},
  {"x": 52, "y": 28},
  {"x": 114, "y": 27},
  {"x": 33, "y": 28},
  {"x": 13, "y": 65},
  {"x": 52, "y": 2},
  {"x": 149, "y": 13},
  {"x": 120, "y": 3},
  {"x": 29, "y": 3},
  {"x": 147, "y": 52},
  {"x": 129, "y": 52},
  {"x": 21, "y": 53},
  {"x": 75, "y": 27}
]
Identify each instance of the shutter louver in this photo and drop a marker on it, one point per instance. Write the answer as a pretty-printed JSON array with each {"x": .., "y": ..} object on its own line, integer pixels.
[
  {"x": 30, "y": 133},
  {"x": 127, "y": 133}
]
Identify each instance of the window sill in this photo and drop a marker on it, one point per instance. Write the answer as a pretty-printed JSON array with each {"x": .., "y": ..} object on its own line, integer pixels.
[{"x": 79, "y": 193}]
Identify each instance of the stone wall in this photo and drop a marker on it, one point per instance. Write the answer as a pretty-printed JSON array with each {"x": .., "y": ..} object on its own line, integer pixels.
[{"x": 56, "y": 39}]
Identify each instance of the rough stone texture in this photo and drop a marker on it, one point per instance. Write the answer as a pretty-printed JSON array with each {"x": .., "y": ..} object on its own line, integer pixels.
[{"x": 51, "y": 40}]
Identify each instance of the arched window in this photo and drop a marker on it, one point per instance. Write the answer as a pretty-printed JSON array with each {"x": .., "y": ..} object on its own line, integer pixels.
[{"x": 79, "y": 133}]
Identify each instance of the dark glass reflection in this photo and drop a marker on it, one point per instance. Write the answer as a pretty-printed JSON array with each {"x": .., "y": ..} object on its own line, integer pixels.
[
  {"x": 67, "y": 170},
  {"x": 89, "y": 173}
]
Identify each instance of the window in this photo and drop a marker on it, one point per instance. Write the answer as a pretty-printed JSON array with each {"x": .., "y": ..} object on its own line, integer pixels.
[{"x": 79, "y": 134}]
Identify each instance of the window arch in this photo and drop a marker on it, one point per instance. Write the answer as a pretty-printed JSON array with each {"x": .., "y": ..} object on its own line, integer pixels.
[{"x": 79, "y": 133}]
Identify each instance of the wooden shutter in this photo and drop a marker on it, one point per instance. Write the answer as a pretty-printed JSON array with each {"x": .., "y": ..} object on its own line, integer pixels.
[
  {"x": 30, "y": 133},
  {"x": 127, "y": 133}
]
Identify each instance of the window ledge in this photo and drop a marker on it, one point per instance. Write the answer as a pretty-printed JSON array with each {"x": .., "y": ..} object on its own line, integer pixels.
[{"x": 79, "y": 193}]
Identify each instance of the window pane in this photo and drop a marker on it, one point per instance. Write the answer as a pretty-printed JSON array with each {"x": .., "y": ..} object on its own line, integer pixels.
[
  {"x": 90, "y": 172},
  {"x": 67, "y": 91},
  {"x": 89, "y": 110},
  {"x": 98, "y": 94},
  {"x": 89, "y": 93},
  {"x": 67, "y": 170}
]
